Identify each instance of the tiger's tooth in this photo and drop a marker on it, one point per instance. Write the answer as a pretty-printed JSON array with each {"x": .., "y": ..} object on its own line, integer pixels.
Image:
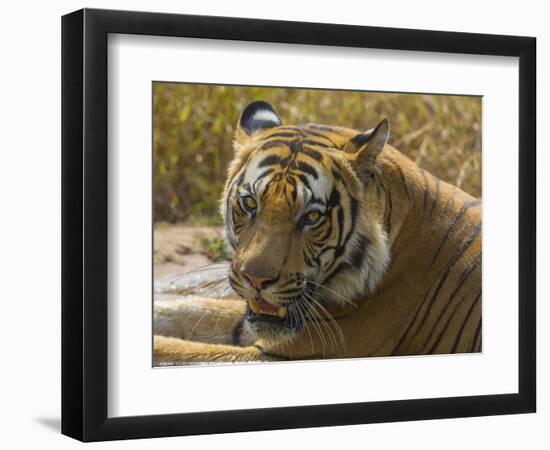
[
  {"x": 281, "y": 312},
  {"x": 254, "y": 306}
]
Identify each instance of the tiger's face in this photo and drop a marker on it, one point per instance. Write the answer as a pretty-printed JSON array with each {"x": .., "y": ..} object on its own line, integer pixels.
[{"x": 295, "y": 216}]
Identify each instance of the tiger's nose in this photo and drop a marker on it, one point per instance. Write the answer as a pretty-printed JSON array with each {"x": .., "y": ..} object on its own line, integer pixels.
[{"x": 257, "y": 282}]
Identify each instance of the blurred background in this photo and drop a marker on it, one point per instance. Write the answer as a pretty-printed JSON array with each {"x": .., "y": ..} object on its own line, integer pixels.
[{"x": 193, "y": 128}]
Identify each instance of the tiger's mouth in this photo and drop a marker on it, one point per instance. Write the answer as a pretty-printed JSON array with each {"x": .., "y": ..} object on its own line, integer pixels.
[
  {"x": 269, "y": 321},
  {"x": 260, "y": 306}
]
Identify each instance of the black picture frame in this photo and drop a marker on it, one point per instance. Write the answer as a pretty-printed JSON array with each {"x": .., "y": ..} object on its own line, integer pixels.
[{"x": 84, "y": 224}]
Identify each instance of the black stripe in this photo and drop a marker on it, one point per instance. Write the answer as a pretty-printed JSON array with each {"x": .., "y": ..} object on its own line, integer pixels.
[
  {"x": 353, "y": 212},
  {"x": 328, "y": 232},
  {"x": 445, "y": 327},
  {"x": 228, "y": 207},
  {"x": 315, "y": 143},
  {"x": 322, "y": 127},
  {"x": 321, "y": 223},
  {"x": 340, "y": 171},
  {"x": 402, "y": 176},
  {"x": 283, "y": 134},
  {"x": 409, "y": 328},
  {"x": 294, "y": 191},
  {"x": 476, "y": 336},
  {"x": 275, "y": 143},
  {"x": 236, "y": 334},
  {"x": 388, "y": 210},
  {"x": 458, "y": 217},
  {"x": 291, "y": 128},
  {"x": 459, "y": 335},
  {"x": 337, "y": 175},
  {"x": 304, "y": 180},
  {"x": 290, "y": 290},
  {"x": 312, "y": 153},
  {"x": 264, "y": 174},
  {"x": 358, "y": 253},
  {"x": 343, "y": 243},
  {"x": 234, "y": 281},
  {"x": 390, "y": 204},
  {"x": 465, "y": 246},
  {"x": 305, "y": 167},
  {"x": 271, "y": 160},
  {"x": 463, "y": 278},
  {"x": 272, "y": 355},
  {"x": 436, "y": 198},
  {"x": 313, "y": 133},
  {"x": 286, "y": 283},
  {"x": 337, "y": 270},
  {"x": 426, "y": 189},
  {"x": 340, "y": 219}
]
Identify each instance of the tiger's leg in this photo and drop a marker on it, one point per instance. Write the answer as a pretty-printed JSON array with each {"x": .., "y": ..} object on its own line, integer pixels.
[
  {"x": 207, "y": 320},
  {"x": 201, "y": 329},
  {"x": 169, "y": 351}
]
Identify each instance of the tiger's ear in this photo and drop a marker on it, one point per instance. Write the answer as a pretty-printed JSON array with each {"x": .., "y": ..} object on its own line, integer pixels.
[
  {"x": 256, "y": 117},
  {"x": 365, "y": 148}
]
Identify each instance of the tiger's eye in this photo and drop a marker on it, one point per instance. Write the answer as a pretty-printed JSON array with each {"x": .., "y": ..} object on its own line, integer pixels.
[
  {"x": 312, "y": 217},
  {"x": 249, "y": 203}
]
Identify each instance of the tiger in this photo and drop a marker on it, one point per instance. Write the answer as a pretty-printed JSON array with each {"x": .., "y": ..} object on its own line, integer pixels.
[{"x": 342, "y": 247}]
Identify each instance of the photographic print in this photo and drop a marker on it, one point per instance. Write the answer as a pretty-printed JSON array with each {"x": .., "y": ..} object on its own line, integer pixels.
[
  {"x": 308, "y": 224},
  {"x": 292, "y": 216}
]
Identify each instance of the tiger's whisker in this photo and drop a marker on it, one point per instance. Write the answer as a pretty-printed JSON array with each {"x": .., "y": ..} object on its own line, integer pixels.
[
  {"x": 196, "y": 325},
  {"x": 332, "y": 292},
  {"x": 217, "y": 266},
  {"x": 306, "y": 325},
  {"x": 331, "y": 320},
  {"x": 317, "y": 325},
  {"x": 314, "y": 325},
  {"x": 204, "y": 285},
  {"x": 324, "y": 324}
]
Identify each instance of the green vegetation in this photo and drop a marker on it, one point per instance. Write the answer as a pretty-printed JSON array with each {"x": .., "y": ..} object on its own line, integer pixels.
[
  {"x": 215, "y": 249},
  {"x": 194, "y": 126}
]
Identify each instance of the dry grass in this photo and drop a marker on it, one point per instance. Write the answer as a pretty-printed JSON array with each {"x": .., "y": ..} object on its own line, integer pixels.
[{"x": 194, "y": 125}]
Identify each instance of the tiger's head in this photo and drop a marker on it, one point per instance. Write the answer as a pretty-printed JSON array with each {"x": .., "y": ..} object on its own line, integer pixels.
[{"x": 304, "y": 232}]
